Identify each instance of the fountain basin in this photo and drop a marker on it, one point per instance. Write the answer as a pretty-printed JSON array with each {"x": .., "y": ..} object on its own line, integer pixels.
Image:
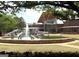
[{"x": 37, "y": 41}]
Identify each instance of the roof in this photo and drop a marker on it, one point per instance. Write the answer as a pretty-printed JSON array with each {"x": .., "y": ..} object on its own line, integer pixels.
[
  {"x": 46, "y": 16},
  {"x": 72, "y": 23}
]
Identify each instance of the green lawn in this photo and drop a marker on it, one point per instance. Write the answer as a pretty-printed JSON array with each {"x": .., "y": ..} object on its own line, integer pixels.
[
  {"x": 36, "y": 47},
  {"x": 76, "y": 44},
  {"x": 58, "y": 37},
  {"x": 75, "y": 36}
]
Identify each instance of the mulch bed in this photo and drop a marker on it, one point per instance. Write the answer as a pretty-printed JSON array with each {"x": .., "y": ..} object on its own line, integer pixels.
[{"x": 36, "y": 41}]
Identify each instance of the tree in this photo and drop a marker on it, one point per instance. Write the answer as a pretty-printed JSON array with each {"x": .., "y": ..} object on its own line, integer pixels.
[
  {"x": 74, "y": 5},
  {"x": 71, "y": 6},
  {"x": 9, "y": 23},
  {"x": 16, "y": 5}
]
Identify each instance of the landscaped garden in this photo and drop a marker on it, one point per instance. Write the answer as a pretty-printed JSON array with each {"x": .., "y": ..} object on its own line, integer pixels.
[{"x": 24, "y": 43}]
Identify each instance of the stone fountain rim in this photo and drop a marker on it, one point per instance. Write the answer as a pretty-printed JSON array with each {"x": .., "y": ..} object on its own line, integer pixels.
[{"x": 37, "y": 41}]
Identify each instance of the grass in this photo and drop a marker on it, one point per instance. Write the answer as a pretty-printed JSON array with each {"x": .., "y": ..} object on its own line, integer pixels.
[
  {"x": 75, "y": 36},
  {"x": 58, "y": 37},
  {"x": 36, "y": 48},
  {"x": 76, "y": 44},
  {"x": 52, "y": 37}
]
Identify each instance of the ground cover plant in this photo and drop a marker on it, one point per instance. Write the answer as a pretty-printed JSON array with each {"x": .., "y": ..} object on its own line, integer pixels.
[{"x": 41, "y": 54}]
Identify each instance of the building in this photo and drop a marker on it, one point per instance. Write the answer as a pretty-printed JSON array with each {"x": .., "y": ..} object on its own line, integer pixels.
[
  {"x": 46, "y": 16},
  {"x": 71, "y": 26},
  {"x": 36, "y": 26},
  {"x": 50, "y": 23}
]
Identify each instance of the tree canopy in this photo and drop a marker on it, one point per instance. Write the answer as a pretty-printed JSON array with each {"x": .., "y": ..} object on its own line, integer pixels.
[
  {"x": 71, "y": 6},
  {"x": 16, "y": 5},
  {"x": 9, "y": 23}
]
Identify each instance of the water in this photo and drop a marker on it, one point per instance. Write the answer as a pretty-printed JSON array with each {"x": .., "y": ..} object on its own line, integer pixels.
[{"x": 26, "y": 33}]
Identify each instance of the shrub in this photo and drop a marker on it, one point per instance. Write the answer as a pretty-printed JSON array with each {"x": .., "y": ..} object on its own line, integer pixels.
[{"x": 41, "y": 54}]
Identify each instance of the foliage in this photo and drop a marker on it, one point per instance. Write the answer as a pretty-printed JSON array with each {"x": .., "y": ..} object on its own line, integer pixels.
[
  {"x": 17, "y": 5},
  {"x": 41, "y": 54},
  {"x": 71, "y": 6},
  {"x": 59, "y": 12},
  {"x": 9, "y": 23},
  {"x": 67, "y": 4}
]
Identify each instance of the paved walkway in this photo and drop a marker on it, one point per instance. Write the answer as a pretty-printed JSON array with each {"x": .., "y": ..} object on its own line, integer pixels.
[{"x": 67, "y": 44}]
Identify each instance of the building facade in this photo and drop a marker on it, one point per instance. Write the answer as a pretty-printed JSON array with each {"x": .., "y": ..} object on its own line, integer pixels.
[
  {"x": 71, "y": 26},
  {"x": 48, "y": 19},
  {"x": 50, "y": 23}
]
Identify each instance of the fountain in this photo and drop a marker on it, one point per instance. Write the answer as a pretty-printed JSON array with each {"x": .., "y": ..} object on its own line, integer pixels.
[{"x": 26, "y": 33}]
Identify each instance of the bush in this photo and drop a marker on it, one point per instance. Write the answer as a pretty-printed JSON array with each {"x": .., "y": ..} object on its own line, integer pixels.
[{"x": 41, "y": 54}]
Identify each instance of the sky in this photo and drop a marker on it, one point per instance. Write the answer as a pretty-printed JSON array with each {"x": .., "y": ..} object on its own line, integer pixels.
[{"x": 30, "y": 15}]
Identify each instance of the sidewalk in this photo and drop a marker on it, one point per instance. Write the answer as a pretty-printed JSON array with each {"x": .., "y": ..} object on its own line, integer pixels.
[{"x": 67, "y": 44}]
